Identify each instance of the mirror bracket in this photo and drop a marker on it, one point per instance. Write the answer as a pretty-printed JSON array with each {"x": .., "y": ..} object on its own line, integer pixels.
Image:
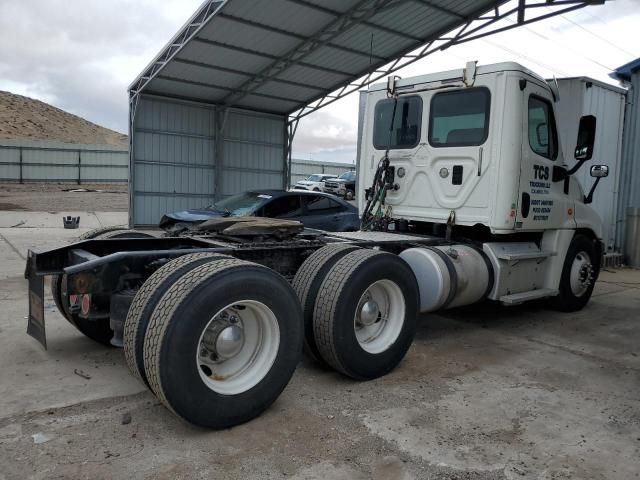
[
  {"x": 558, "y": 174},
  {"x": 589, "y": 197}
]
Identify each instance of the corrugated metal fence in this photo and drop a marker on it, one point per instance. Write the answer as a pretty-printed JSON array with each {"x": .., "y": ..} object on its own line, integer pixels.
[
  {"x": 48, "y": 161},
  {"x": 26, "y": 161},
  {"x": 301, "y": 169}
]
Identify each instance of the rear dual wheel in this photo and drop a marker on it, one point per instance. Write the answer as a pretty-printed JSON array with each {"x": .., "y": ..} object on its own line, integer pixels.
[
  {"x": 365, "y": 306},
  {"x": 222, "y": 340}
]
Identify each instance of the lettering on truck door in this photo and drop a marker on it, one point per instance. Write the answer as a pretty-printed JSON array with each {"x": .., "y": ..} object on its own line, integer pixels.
[{"x": 542, "y": 204}]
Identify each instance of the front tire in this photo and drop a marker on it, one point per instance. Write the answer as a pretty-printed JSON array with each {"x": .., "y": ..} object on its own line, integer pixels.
[
  {"x": 223, "y": 342},
  {"x": 579, "y": 273},
  {"x": 349, "y": 195},
  {"x": 365, "y": 314}
]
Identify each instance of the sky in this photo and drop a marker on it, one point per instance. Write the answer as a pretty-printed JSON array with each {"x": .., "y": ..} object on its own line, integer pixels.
[{"x": 81, "y": 55}]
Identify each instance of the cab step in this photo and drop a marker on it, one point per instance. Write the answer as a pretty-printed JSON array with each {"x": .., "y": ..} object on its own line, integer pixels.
[
  {"x": 529, "y": 255},
  {"x": 518, "y": 298}
]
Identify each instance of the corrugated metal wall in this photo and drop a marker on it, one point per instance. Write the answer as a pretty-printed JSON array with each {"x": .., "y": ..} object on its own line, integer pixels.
[
  {"x": 301, "y": 169},
  {"x": 252, "y": 152},
  {"x": 42, "y": 161},
  {"x": 584, "y": 96},
  {"x": 177, "y": 161},
  {"x": 629, "y": 195}
]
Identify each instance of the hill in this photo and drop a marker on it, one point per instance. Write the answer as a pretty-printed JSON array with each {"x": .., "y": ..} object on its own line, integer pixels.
[{"x": 23, "y": 117}]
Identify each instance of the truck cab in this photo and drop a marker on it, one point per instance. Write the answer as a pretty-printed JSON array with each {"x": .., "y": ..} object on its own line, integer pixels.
[{"x": 482, "y": 145}]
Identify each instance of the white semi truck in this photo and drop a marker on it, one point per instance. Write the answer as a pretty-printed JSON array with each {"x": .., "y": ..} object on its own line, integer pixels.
[{"x": 468, "y": 199}]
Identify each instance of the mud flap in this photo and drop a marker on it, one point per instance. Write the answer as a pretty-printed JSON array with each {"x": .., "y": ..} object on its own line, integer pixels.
[{"x": 35, "y": 325}]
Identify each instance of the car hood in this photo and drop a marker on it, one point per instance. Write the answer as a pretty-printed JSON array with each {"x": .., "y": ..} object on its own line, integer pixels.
[
  {"x": 189, "y": 216},
  {"x": 305, "y": 182}
]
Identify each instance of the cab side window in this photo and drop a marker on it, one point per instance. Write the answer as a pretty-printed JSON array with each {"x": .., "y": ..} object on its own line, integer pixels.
[
  {"x": 543, "y": 138},
  {"x": 459, "y": 118},
  {"x": 397, "y": 126}
]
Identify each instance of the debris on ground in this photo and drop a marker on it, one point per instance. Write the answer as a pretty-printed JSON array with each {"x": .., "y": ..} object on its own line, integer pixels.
[
  {"x": 82, "y": 374},
  {"x": 41, "y": 438},
  {"x": 126, "y": 418}
]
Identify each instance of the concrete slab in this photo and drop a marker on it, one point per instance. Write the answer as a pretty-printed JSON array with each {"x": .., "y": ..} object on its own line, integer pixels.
[
  {"x": 88, "y": 220},
  {"x": 486, "y": 392}
]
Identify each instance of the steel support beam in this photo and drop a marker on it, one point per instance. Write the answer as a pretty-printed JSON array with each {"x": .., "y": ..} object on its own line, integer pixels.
[
  {"x": 195, "y": 24},
  {"x": 275, "y": 58},
  {"x": 479, "y": 25},
  {"x": 361, "y": 12},
  {"x": 335, "y": 13},
  {"x": 226, "y": 89},
  {"x": 297, "y": 36},
  {"x": 233, "y": 71}
]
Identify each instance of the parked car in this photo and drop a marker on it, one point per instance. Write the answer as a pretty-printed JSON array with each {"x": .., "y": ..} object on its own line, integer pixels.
[
  {"x": 313, "y": 209},
  {"x": 343, "y": 186},
  {"x": 314, "y": 182}
]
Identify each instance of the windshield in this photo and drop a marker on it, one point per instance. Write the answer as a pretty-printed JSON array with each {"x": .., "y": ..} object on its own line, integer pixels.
[
  {"x": 348, "y": 176},
  {"x": 242, "y": 204}
]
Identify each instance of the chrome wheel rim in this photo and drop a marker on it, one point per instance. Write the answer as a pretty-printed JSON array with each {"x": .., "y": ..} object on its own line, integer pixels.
[
  {"x": 581, "y": 274},
  {"x": 238, "y": 347},
  {"x": 379, "y": 316}
]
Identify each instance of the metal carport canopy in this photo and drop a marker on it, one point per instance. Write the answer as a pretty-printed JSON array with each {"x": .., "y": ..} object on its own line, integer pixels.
[
  {"x": 215, "y": 113},
  {"x": 281, "y": 56}
]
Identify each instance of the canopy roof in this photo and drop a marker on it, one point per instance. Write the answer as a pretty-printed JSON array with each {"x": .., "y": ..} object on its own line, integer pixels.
[{"x": 280, "y": 56}]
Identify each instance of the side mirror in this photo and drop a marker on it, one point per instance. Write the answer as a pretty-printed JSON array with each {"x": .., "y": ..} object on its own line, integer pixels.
[
  {"x": 599, "y": 171},
  {"x": 586, "y": 138}
]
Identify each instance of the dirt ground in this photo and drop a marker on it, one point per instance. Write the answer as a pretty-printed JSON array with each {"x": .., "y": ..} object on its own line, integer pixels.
[
  {"x": 486, "y": 392},
  {"x": 56, "y": 197},
  {"x": 24, "y": 117}
]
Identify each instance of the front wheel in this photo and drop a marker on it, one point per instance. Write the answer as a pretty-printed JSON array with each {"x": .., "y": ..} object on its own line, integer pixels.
[
  {"x": 349, "y": 195},
  {"x": 579, "y": 274}
]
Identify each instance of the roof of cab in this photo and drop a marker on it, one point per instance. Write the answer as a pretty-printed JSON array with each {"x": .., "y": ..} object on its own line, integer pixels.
[{"x": 457, "y": 74}]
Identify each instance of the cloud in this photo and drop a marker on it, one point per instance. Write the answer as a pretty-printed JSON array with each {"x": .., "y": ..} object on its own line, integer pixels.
[{"x": 81, "y": 55}]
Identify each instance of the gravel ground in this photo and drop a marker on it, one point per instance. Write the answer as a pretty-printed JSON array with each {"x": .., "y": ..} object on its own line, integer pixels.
[{"x": 55, "y": 197}]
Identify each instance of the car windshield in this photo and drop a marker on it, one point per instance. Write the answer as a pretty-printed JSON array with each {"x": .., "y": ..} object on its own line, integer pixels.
[
  {"x": 348, "y": 176},
  {"x": 241, "y": 204},
  {"x": 314, "y": 178}
]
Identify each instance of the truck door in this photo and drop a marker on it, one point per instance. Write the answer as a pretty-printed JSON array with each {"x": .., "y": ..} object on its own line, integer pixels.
[{"x": 542, "y": 203}]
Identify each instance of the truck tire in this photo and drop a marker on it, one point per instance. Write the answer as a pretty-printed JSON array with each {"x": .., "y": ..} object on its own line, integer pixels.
[
  {"x": 122, "y": 233},
  {"x": 349, "y": 195},
  {"x": 223, "y": 342},
  {"x": 366, "y": 313},
  {"x": 97, "y": 330},
  {"x": 96, "y": 232},
  {"x": 307, "y": 282},
  {"x": 579, "y": 273},
  {"x": 146, "y": 299}
]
